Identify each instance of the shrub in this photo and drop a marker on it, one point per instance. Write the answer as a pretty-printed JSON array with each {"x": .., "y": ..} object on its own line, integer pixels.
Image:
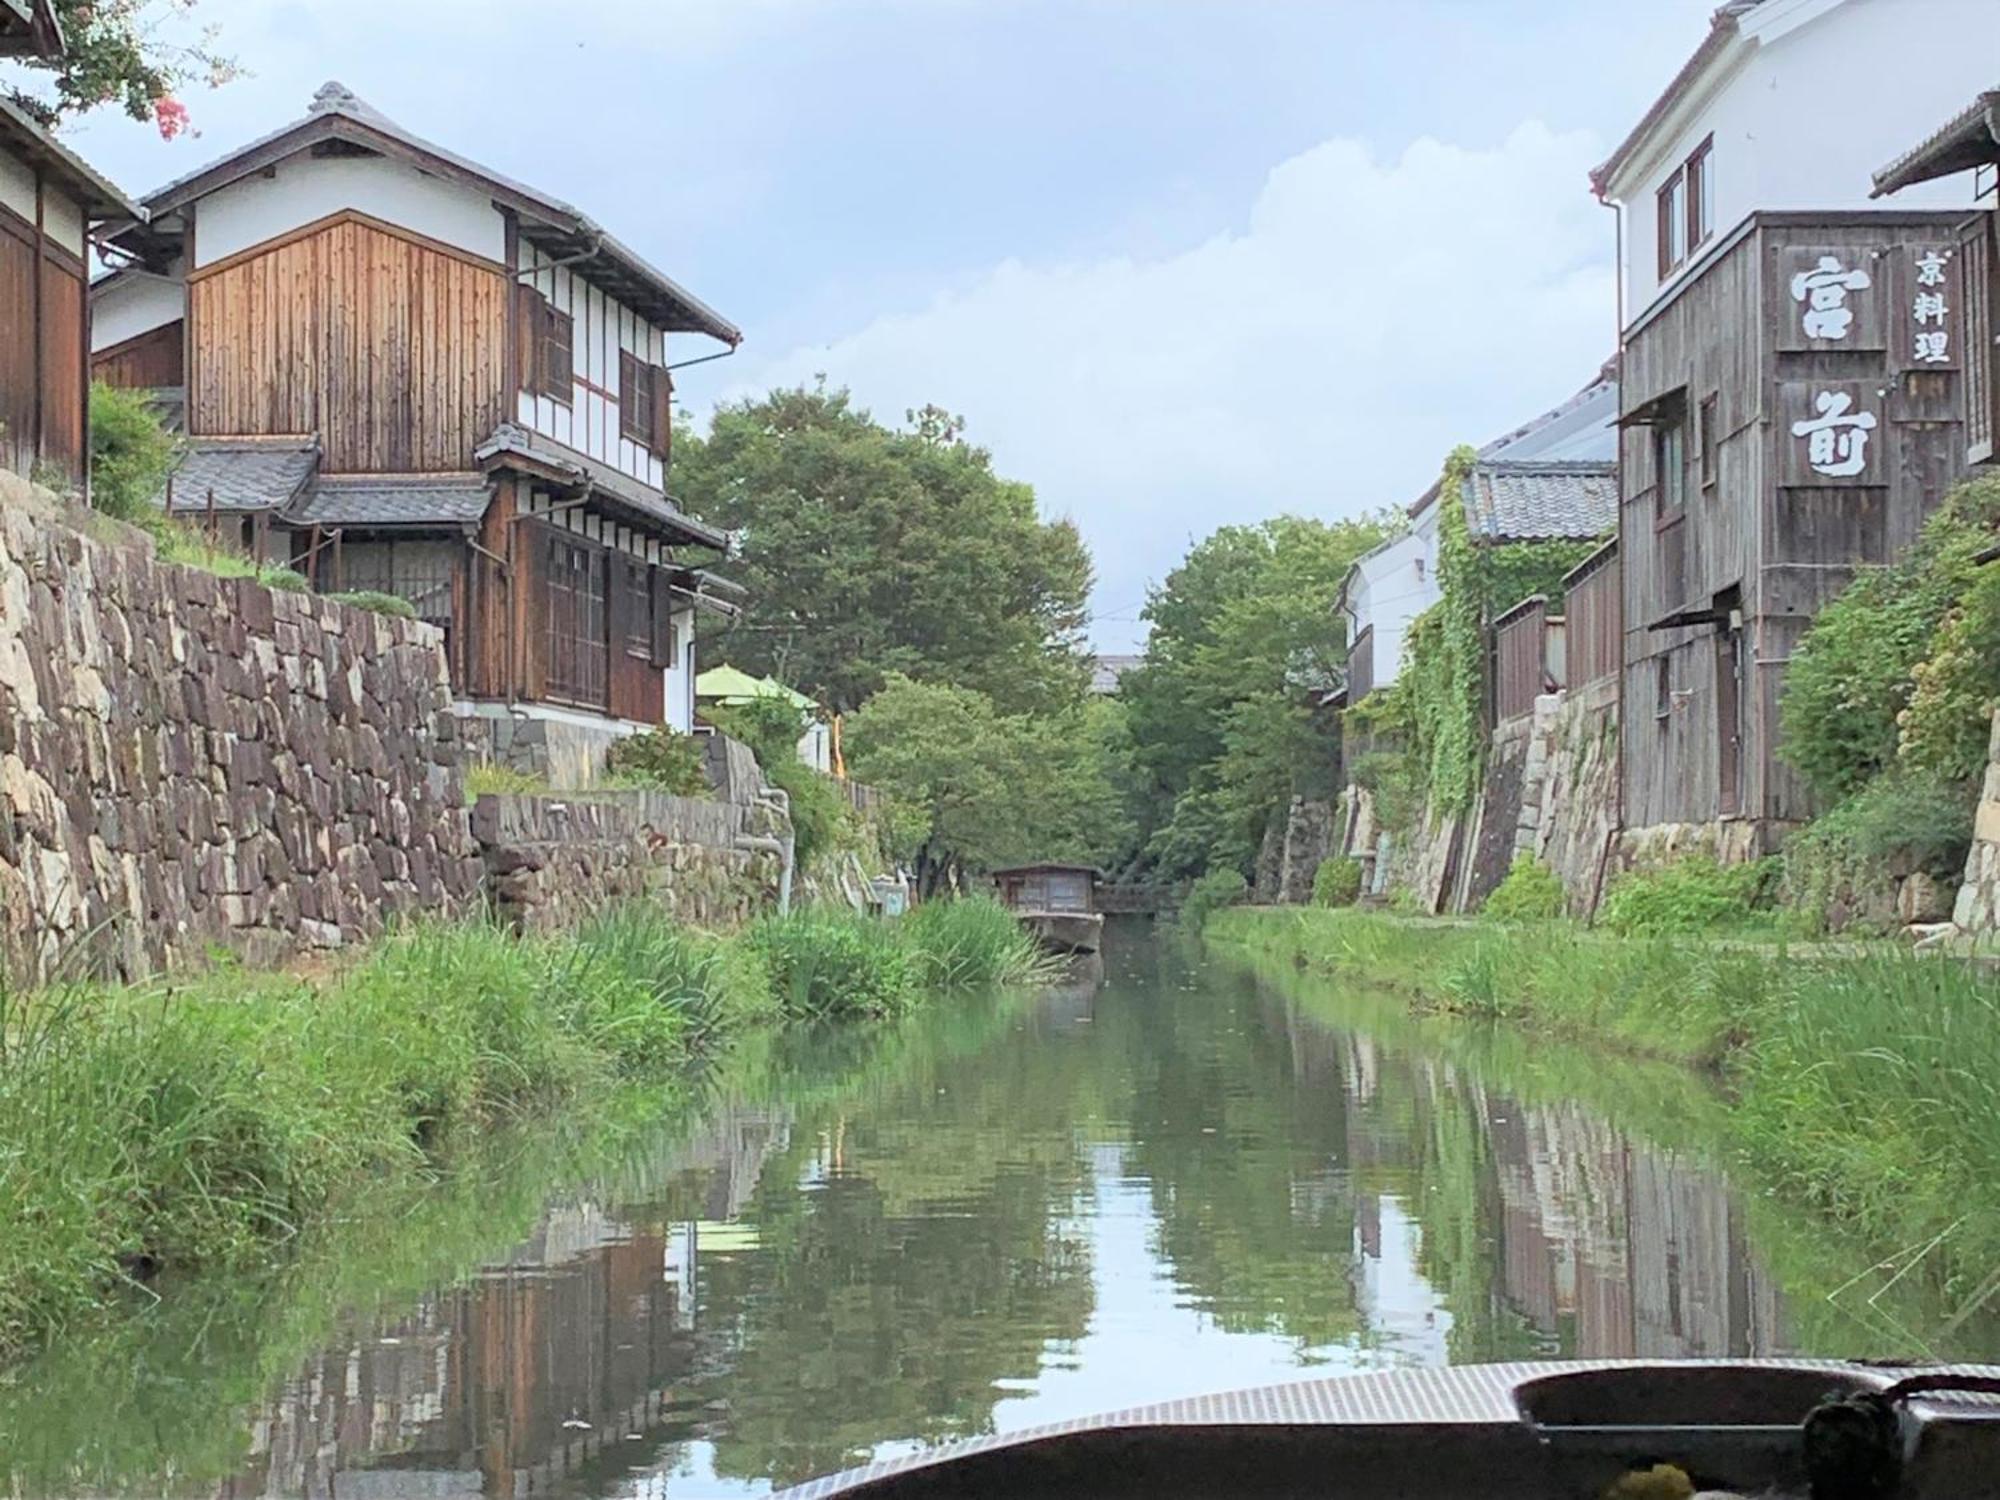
[
  {"x": 770, "y": 726},
  {"x": 1947, "y": 726},
  {"x": 1853, "y": 673},
  {"x": 284, "y": 580},
  {"x": 1209, "y": 894},
  {"x": 822, "y": 820},
  {"x": 1529, "y": 893},
  {"x": 661, "y": 760},
  {"x": 1691, "y": 895},
  {"x": 1337, "y": 881},
  {"x": 1902, "y": 822},
  {"x": 131, "y": 453},
  {"x": 487, "y": 779},
  {"x": 648, "y": 991},
  {"x": 836, "y": 964},
  {"x": 973, "y": 942},
  {"x": 377, "y": 602}
]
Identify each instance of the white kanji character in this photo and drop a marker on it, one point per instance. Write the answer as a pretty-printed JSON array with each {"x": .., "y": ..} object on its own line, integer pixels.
[
  {"x": 1837, "y": 439},
  {"x": 1929, "y": 307},
  {"x": 1934, "y": 348},
  {"x": 1824, "y": 290},
  {"x": 1930, "y": 268}
]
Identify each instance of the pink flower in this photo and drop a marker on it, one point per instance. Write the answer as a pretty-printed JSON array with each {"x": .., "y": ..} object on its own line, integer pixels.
[{"x": 171, "y": 115}]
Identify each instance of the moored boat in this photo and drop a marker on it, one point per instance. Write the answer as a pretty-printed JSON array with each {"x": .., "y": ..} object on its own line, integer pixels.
[{"x": 1055, "y": 902}]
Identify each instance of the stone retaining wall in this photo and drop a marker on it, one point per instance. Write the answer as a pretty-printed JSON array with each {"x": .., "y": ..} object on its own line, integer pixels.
[
  {"x": 552, "y": 861},
  {"x": 189, "y": 762},
  {"x": 1977, "y": 912}
]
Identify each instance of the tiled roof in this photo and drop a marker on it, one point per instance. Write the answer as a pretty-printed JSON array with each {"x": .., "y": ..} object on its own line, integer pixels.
[
  {"x": 404, "y": 500},
  {"x": 1965, "y": 141},
  {"x": 23, "y": 136},
  {"x": 243, "y": 473},
  {"x": 1534, "y": 501},
  {"x": 512, "y": 441}
]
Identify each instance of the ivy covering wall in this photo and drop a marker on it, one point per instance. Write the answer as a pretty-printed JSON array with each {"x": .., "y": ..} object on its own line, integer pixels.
[{"x": 1444, "y": 669}]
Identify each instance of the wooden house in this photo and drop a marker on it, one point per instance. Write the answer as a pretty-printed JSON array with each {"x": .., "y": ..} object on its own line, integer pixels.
[
  {"x": 1793, "y": 391},
  {"x": 1055, "y": 902},
  {"x": 50, "y": 202},
  {"x": 402, "y": 371}
]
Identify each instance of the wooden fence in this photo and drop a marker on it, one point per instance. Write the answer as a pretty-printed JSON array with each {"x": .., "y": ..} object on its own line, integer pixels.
[
  {"x": 1521, "y": 658},
  {"x": 1594, "y": 615}
]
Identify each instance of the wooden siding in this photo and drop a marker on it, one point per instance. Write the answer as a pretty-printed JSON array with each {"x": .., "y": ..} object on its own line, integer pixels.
[
  {"x": 1520, "y": 658},
  {"x": 1593, "y": 611},
  {"x": 1768, "y": 533},
  {"x": 43, "y": 392},
  {"x": 386, "y": 345},
  {"x": 1361, "y": 665},
  {"x": 146, "y": 362}
]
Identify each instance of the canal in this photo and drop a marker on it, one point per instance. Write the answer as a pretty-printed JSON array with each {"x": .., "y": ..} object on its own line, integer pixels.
[{"x": 1182, "y": 1176}]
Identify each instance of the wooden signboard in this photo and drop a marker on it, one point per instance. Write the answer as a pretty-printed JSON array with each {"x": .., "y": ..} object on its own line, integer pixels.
[
  {"x": 1929, "y": 327},
  {"x": 1831, "y": 432},
  {"x": 1831, "y": 297}
]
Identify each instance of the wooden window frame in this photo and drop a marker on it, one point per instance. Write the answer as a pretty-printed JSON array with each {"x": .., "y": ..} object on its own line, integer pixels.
[
  {"x": 635, "y": 399},
  {"x": 1672, "y": 232},
  {"x": 1708, "y": 442},
  {"x": 555, "y": 355},
  {"x": 1663, "y": 689},
  {"x": 1670, "y": 442},
  {"x": 1698, "y": 206},
  {"x": 638, "y": 619}
]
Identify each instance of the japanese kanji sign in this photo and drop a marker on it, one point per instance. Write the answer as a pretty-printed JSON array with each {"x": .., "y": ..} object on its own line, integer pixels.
[
  {"x": 1831, "y": 432},
  {"x": 1830, "y": 297},
  {"x": 1926, "y": 292}
]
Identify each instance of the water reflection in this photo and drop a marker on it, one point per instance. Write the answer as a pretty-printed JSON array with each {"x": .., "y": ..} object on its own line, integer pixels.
[{"x": 1181, "y": 1180}]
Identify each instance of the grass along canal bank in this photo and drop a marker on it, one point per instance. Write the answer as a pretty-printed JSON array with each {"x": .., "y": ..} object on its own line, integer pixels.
[
  {"x": 213, "y": 1124},
  {"x": 1867, "y": 1087}
]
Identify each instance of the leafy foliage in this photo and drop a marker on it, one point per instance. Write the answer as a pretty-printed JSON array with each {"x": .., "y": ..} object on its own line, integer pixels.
[
  {"x": 974, "y": 942},
  {"x": 1855, "y": 672},
  {"x": 1529, "y": 893},
  {"x": 771, "y": 726},
  {"x": 871, "y": 552},
  {"x": 1947, "y": 728},
  {"x": 487, "y": 779},
  {"x": 1693, "y": 894},
  {"x": 1209, "y": 894},
  {"x": 1905, "y": 820},
  {"x": 1223, "y": 719},
  {"x": 822, "y": 820},
  {"x": 662, "y": 760},
  {"x": 976, "y": 788},
  {"x": 118, "y": 54},
  {"x": 131, "y": 453},
  {"x": 1337, "y": 881}
]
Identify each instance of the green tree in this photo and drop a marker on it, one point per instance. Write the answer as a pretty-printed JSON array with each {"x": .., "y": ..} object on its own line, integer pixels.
[
  {"x": 976, "y": 789},
  {"x": 120, "y": 52},
  {"x": 1223, "y": 715},
  {"x": 870, "y": 551}
]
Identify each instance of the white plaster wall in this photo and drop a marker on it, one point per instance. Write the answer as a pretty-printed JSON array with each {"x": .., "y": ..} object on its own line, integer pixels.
[
  {"x": 62, "y": 218},
  {"x": 680, "y": 680},
  {"x": 308, "y": 188},
  {"x": 600, "y": 328},
  {"x": 1392, "y": 588},
  {"x": 17, "y": 186},
  {"x": 134, "y": 304},
  {"x": 1833, "y": 91}
]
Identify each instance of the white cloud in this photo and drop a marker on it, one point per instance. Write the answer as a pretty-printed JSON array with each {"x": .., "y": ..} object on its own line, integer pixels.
[{"x": 1322, "y": 358}]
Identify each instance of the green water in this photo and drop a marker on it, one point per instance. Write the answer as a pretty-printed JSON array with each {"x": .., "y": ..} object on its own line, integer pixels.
[{"x": 1179, "y": 1177}]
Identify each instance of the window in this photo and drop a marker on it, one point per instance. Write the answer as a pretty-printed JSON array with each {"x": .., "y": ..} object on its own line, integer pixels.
[
  {"x": 1686, "y": 208},
  {"x": 638, "y": 610},
  {"x": 1700, "y": 196},
  {"x": 645, "y": 411},
  {"x": 1673, "y": 224},
  {"x": 1663, "y": 689},
  {"x": 576, "y": 659},
  {"x": 1670, "y": 470},
  {"x": 1710, "y": 441},
  {"x": 557, "y": 363}
]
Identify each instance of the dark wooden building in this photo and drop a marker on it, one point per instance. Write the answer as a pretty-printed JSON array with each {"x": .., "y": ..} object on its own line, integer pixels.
[
  {"x": 1791, "y": 413},
  {"x": 404, "y": 372},
  {"x": 50, "y": 202}
]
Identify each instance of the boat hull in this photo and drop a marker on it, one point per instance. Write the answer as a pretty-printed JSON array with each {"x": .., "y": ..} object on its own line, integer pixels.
[
  {"x": 1066, "y": 931},
  {"x": 1485, "y": 1431}
]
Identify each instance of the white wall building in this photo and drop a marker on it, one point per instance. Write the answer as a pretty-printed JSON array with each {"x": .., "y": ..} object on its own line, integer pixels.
[{"x": 1789, "y": 104}]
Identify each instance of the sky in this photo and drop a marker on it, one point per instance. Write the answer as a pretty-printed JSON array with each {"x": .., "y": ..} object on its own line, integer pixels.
[{"x": 1179, "y": 263}]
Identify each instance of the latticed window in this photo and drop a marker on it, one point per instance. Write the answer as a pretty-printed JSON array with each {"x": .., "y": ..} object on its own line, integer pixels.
[{"x": 578, "y": 658}]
